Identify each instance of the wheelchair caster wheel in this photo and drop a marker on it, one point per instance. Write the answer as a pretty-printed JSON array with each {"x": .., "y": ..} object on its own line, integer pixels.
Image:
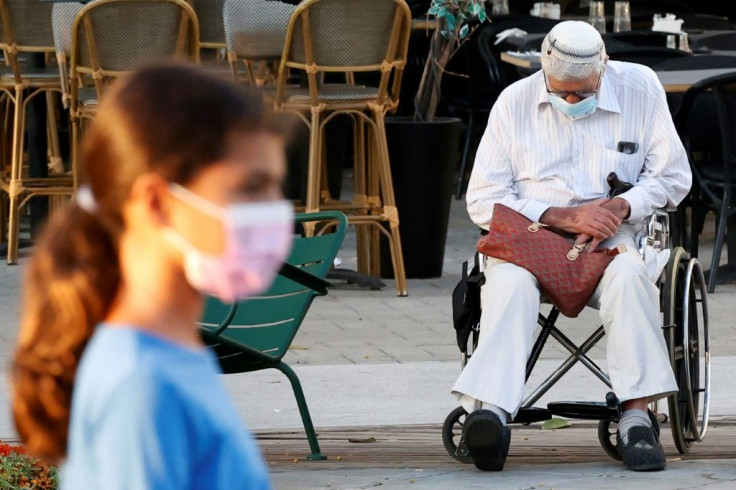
[
  {"x": 607, "y": 430},
  {"x": 452, "y": 436}
]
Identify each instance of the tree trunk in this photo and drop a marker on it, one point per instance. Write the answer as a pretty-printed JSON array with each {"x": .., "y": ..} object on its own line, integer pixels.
[{"x": 428, "y": 94}]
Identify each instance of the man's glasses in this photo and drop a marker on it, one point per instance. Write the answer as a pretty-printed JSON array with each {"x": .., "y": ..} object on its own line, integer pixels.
[{"x": 579, "y": 94}]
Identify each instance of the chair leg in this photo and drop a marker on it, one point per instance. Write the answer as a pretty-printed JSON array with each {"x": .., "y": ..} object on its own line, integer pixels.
[
  {"x": 389, "y": 204},
  {"x": 360, "y": 193},
  {"x": 316, "y": 454},
  {"x": 16, "y": 167},
  {"x": 373, "y": 247},
  {"x": 313, "y": 170},
  {"x": 466, "y": 153},
  {"x": 720, "y": 235},
  {"x": 53, "y": 133},
  {"x": 76, "y": 142}
]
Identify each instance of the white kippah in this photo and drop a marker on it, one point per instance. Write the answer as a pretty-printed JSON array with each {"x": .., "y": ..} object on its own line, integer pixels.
[{"x": 574, "y": 42}]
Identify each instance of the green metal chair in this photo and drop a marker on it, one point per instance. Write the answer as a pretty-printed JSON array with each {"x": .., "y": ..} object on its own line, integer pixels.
[{"x": 255, "y": 334}]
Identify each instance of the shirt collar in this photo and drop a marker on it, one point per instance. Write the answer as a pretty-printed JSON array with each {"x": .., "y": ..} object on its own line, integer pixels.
[{"x": 606, "y": 94}]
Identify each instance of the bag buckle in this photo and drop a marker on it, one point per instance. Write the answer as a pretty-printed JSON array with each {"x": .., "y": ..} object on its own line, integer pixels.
[
  {"x": 536, "y": 226},
  {"x": 576, "y": 250}
]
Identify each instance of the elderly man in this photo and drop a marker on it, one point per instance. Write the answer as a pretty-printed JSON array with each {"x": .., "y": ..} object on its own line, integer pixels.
[{"x": 551, "y": 140}]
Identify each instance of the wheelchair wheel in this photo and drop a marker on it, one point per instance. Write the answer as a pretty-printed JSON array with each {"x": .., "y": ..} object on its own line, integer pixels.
[
  {"x": 686, "y": 321},
  {"x": 607, "y": 430},
  {"x": 452, "y": 436}
]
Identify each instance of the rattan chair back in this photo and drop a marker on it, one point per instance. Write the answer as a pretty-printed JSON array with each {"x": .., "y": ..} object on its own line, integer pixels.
[
  {"x": 26, "y": 27},
  {"x": 62, "y": 19},
  {"x": 113, "y": 37},
  {"x": 255, "y": 29},
  {"x": 211, "y": 30},
  {"x": 355, "y": 36}
]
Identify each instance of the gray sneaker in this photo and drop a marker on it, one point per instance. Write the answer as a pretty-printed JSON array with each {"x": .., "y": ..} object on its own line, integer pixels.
[{"x": 642, "y": 452}]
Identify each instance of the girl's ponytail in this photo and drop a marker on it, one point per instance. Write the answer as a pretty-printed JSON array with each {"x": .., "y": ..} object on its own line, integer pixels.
[{"x": 70, "y": 284}]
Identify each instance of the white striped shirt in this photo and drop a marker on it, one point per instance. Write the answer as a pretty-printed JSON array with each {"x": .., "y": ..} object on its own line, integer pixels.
[{"x": 532, "y": 157}]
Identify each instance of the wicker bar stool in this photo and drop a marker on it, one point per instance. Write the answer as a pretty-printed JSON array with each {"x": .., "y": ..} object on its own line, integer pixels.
[
  {"x": 351, "y": 37},
  {"x": 255, "y": 31},
  {"x": 26, "y": 29},
  {"x": 113, "y": 37}
]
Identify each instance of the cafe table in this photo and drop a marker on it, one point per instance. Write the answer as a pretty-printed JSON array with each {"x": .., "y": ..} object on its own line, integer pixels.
[{"x": 676, "y": 81}]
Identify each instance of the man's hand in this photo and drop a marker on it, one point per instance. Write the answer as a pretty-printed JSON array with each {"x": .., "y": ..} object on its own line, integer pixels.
[{"x": 595, "y": 221}]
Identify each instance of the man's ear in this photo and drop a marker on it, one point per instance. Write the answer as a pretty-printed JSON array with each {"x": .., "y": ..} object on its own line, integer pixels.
[{"x": 151, "y": 193}]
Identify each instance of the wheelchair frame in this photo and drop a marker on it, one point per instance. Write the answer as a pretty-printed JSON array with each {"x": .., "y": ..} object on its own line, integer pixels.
[{"x": 685, "y": 326}]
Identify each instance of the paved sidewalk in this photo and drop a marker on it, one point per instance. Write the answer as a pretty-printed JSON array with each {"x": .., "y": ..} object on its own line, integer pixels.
[{"x": 370, "y": 358}]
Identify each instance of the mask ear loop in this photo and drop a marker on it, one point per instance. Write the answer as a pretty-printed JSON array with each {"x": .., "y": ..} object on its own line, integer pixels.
[{"x": 197, "y": 201}]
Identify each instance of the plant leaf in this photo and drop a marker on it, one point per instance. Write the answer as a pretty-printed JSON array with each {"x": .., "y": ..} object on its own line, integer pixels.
[
  {"x": 464, "y": 31},
  {"x": 556, "y": 423}
]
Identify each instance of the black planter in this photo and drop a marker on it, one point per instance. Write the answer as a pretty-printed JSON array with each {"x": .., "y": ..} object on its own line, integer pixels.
[{"x": 423, "y": 161}]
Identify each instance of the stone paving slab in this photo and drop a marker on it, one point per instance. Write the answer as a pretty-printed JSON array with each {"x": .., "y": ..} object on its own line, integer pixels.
[{"x": 711, "y": 474}]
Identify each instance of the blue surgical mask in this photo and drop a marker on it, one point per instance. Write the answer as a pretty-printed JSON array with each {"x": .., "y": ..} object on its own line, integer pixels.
[{"x": 582, "y": 108}]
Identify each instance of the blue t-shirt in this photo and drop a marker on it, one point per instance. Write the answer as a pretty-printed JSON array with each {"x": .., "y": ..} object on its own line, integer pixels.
[{"x": 148, "y": 413}]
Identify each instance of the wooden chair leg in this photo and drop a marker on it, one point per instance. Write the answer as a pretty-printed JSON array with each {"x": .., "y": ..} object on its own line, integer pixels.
[
  {"x": 389, "y": 204},
  {"x": 313, "y": 169},
  {"x": 301, "y": 402},
  {"x": 373, "y": 194},
  {"x": 77, "y": 171},
  {"x": 359, "y": 189},
  {"x": 56, "y": 164},
  {"x": 16, "y": 168}
]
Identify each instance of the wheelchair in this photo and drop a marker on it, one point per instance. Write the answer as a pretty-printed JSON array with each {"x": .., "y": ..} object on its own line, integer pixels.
[{"x": 684, "y": 310}]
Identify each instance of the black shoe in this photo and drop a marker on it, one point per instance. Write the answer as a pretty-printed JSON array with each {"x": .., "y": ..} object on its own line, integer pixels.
[
  {"x": 487, "y": 440},
  {"x": 643, "y": 452}
]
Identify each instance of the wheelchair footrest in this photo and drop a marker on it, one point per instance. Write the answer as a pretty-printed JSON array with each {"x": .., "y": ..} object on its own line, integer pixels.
[
  {"x": 531, "y": 415},
  {"x": 584, "y": 410}
]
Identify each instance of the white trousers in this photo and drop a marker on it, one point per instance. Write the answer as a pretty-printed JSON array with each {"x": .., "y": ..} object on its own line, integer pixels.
[{"x": 628, "y": 304}]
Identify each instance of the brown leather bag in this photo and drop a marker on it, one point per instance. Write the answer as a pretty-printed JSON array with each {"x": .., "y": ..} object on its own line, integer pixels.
[{"x": 566, "y": 273}]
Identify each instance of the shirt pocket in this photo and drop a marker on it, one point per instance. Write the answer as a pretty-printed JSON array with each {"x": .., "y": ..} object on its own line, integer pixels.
[{"x": 599, "y": 161}]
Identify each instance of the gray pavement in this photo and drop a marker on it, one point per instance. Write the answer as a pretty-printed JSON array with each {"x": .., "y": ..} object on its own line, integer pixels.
[{"x": 371, "y": 358}]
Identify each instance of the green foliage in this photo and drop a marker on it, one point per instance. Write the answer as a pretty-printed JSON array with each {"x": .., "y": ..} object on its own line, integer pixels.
[
  {"x": 454, "y": 16},
  {"x": 21, "y": 471},
  {"x": 456, "y": 20}
]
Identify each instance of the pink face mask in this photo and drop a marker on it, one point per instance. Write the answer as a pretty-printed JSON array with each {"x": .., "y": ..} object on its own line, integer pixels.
[{"x": 258, "y": 238}]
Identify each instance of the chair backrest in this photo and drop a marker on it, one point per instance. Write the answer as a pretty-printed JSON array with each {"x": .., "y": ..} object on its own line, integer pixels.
[
  {"x": 25, "y": 26},
  {"x": 62, "y": 20},
  {"x": 354, "y": 36},
  {"x": 113, "y": 37},
  {"x": 701, "y": 132},
  {"x": 211, "y": 30},
  {"x": 256, "y": 29},
  {"x": 268, "y": 323}
]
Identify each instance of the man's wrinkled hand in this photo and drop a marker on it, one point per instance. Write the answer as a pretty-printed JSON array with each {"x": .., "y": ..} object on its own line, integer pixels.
[{"x": 593, "y": 219}]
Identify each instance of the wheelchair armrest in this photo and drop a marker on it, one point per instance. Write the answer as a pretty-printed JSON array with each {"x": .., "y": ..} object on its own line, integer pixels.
[{"x": 656, "y": 232}]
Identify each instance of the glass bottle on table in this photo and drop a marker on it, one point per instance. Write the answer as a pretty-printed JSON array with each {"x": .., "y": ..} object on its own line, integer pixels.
[
  {"x": 597, "y": 16},
  {"x": 621, "y": 17},
  {"x": 671, "y": 41},
  {"x": 500, "y": 7}
]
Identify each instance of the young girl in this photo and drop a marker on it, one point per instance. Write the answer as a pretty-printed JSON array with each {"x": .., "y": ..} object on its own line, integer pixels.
[{"x": 110, "y": 376}]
